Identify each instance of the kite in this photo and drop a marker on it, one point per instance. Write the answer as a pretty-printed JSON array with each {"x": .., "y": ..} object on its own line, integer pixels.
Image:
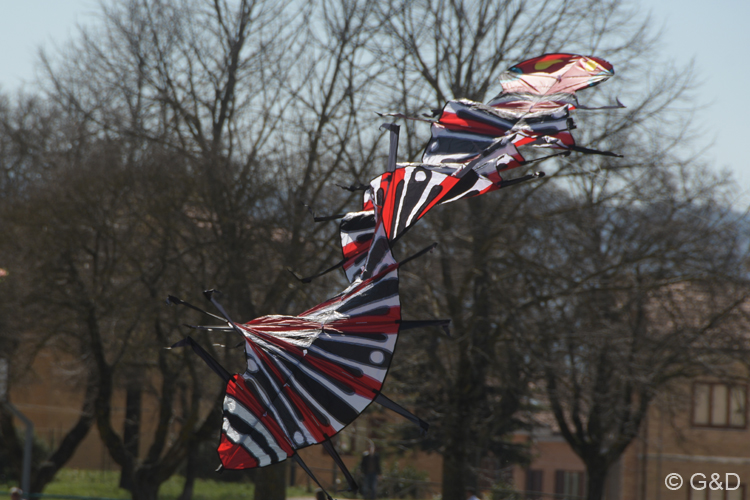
[
  {"x": 408, "y": 192},
  {"x": 472, "y": 143},
  {"x": 549, "y": 82},
  {"x": 532, "y": 110},
  {"x": 308, "y": 376}
]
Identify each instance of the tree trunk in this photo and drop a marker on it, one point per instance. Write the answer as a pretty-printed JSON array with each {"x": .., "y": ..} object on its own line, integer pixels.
[
  {"x": 596, "y": 475},
  {"x": 455, "y": 459},
  {"x": 270, "y": 483},
  {"x": 145, "y": 488},
  {"x": 468, "y": 390},
  {"x": 187, "y": 490},
  {"x": 131, "y": 429},
  {"x": 11, "y": 443}
]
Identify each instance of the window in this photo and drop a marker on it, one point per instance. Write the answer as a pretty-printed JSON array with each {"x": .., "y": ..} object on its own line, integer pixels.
[
  {"x": 719, "y": 405},
  {"x": 570, "y": 484},
  {"x": 534, "y": 484}
]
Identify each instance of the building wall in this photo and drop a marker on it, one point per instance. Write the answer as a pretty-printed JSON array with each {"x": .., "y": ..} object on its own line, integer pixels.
[
  {"x": 550, "y": 453},
  {"x": 48, "y": 396},
  {"x": 669, "y": 442}
]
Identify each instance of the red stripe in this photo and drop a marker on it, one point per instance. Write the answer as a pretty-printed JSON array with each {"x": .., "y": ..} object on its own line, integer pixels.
[
  {"x": 234, "y": 456},
  {"x": 389, "y": 203},
  {"x": 245, "y": 396},
  {"x": 356, "y": 248},
  {"x": 266, "y": 361},
  {"x": 446, "y": 184},
  {"x": 363, "y": 385},
  {"x": 315, "y": 427},
  {"x": 451, "y": 121}
]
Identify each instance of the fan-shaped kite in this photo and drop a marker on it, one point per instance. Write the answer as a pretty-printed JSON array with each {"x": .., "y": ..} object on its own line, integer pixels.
[
  {"x": 308, "y": 376},
  {"x": 534, "y": 108},
  {"x": 409, "y": 191},
  {"x": 472, "y": 143},
  {"x": 549, "y": 82}
]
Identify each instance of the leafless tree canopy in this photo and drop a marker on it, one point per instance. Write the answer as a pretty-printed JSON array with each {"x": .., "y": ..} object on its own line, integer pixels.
[{"x": 171, "y": 147}]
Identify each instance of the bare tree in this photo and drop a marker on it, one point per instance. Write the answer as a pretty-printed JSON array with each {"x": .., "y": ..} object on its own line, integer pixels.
[
  {"x": 635, "y": 295},
  {"x": 204, "y": 81},
  {"x": 445, "y": 50},
  {"x": 200, "y": 129},
  {"x": 28, "y": 128}
]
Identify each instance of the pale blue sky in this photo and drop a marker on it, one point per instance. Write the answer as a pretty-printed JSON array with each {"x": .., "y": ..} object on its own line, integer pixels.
[
  {"x": 25, "y": 25},
  {"x": 715, "y": 33}
]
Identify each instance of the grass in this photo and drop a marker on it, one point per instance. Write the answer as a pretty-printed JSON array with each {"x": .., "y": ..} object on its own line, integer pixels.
[{"x": 103, "y": 484}]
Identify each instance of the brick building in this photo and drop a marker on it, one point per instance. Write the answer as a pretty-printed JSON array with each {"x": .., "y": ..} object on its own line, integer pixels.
[{"x": 698, "y": 427}]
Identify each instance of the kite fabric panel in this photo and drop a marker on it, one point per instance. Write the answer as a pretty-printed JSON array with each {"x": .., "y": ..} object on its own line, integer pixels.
[
  {"x": 308, "y": 376},
  {"x": 311, "y": 375},
  {"x": 535, "y": 104},
  {"x": 406, "y": 194},
  {"x": 472, "y": 143},
  {"x": 466, "y": 128},
  {"x": 549, "y": 82}
]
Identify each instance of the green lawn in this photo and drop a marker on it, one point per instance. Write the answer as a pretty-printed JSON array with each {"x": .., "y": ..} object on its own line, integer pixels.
[{"x": 103, "y": 484}]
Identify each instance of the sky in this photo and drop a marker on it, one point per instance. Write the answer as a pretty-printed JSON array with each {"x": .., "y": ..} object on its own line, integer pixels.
[{"x": 715, "y": 34}]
